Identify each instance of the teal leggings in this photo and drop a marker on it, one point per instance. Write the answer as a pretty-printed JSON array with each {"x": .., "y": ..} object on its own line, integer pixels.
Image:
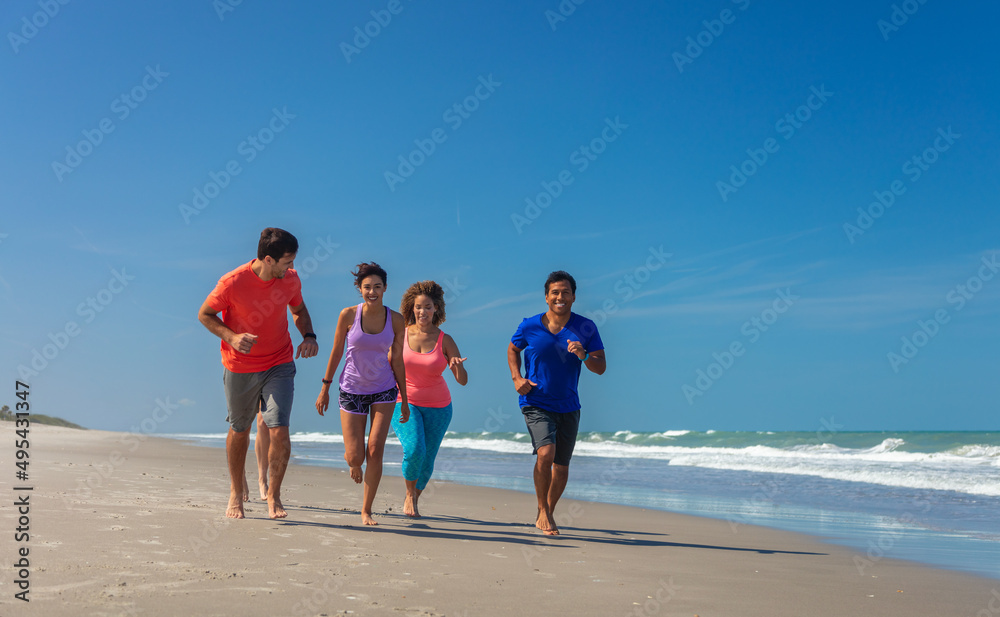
[{"x": 421, "y": 437}]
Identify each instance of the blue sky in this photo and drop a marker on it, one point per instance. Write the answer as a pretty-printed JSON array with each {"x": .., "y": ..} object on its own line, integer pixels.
[{"x": 622, "y": 121}]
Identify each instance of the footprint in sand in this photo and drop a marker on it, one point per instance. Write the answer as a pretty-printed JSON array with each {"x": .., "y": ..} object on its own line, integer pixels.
[
  {"x": 421, "y": 611},
  {"x": 360, "y": 597},
  {"x": 396, "y": 583}
]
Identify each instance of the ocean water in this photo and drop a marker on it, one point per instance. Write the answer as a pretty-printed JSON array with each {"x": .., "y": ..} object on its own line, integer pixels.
[{"x": 932, "y": 497}]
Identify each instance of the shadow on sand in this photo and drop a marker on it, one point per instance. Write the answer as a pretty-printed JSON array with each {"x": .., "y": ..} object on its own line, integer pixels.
[{"x": 460, "y": 528}]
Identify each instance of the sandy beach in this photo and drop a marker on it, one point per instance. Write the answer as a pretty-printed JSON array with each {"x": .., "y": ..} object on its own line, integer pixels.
[{"x": 127, "y": 525}]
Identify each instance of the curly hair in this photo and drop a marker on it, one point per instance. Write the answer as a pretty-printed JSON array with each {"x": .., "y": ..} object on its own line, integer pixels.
[
  {"x": 369, "y": 269},
  {"x": 423, "y": 288}
]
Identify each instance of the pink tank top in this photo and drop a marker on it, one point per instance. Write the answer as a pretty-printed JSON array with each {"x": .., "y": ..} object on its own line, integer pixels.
[{"x": 425, "y": 385}]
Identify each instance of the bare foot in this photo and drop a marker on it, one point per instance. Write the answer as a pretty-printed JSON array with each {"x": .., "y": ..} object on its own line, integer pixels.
[
  {"x": 262, "y": 485},
  {"x": 235, "y": 508},
  {"x": 367, "y": 519},
  {"x": 246, "y": 489},
  {"x": 356, "y": 475},
  {"x": 547, "y": 524},
  {"x": 410, "y": 506},
  {"x": 275, "y": 509}
]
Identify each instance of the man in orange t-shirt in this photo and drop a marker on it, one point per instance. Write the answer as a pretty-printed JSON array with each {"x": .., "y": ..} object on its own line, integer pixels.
[{"x": 257, "y": 355}]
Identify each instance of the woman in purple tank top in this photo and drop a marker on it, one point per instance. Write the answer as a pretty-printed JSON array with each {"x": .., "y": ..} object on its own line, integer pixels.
[{"x": 370, "y": 336}]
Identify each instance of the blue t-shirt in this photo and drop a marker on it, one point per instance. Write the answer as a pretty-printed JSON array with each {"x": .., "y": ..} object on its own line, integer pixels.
[{"x": 548, "y": 363}]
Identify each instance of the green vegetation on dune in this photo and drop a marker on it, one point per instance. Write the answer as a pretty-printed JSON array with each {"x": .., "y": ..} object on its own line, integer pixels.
[{"x": 37, "y": 418}]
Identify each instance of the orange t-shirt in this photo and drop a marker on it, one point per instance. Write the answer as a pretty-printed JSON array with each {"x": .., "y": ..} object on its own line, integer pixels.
[{"x": 251, "y": 305}]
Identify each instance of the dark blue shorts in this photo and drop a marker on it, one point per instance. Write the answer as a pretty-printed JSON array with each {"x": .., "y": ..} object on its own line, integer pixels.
[{"x": 548, "y": 427}]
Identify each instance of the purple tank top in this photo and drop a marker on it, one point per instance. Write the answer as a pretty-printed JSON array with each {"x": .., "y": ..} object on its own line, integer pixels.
[{"x": 367, "y": 369}]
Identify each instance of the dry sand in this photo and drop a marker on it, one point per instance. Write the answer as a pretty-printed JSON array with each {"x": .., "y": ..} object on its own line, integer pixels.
[{"x": 148, "y": 537}]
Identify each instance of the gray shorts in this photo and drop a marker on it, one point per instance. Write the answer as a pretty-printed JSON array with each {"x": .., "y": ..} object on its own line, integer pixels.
[{"x": 269, "y": 392}]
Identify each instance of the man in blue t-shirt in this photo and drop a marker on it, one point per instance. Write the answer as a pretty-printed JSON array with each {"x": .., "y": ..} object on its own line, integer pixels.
[{"x": 556, "y": 345}]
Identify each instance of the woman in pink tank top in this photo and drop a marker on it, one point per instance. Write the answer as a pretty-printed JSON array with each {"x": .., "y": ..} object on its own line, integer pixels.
[
  {"x": 372, "y": 336},
  {"x": 427, "y": 352}
]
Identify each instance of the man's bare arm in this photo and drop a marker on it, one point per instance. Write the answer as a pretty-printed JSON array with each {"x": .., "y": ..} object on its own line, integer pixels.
[
  {"x": 241, "y": 342},
  {"x": 522, "y": 385},
  {"x": 308, "y": 347},
  {"x": 596, "y": 363}
]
